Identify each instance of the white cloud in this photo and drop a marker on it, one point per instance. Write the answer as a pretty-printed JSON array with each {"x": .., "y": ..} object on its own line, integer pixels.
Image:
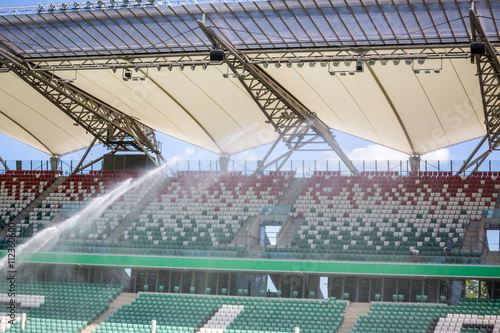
[
  {"x": 374, "y": 152},
  {"x": 437, "y": 155}
]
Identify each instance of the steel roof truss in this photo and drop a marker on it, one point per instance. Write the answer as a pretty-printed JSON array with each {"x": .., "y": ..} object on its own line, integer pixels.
[
  {"x": 290, "y": 118},
  {"x": 114, "y": 129},
  {"x": 488, "y": 72}
]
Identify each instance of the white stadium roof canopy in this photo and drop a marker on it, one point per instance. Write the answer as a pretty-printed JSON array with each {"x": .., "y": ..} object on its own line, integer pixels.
[{"x": 418, "y": 91}]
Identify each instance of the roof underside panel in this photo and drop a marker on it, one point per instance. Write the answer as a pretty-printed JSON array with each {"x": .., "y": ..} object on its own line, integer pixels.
[
  {"x": 30, "y": 118},
  {"x": 199, "y": 106}
]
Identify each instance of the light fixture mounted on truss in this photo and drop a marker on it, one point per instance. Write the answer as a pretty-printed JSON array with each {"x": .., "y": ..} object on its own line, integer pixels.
[{"x": 127, "y": 75}]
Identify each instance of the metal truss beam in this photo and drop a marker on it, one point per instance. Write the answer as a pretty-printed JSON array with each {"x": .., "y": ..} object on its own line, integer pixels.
[
  {"x": 488, "y": 72},
  {"x": 269, "y": 56},
  {"x": 4, "y": 164},
  {"x": 293, "y": 121},
  {"x": 114, "y": 129}
]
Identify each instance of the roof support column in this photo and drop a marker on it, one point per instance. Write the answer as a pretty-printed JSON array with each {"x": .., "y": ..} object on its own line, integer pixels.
[
  {"x": 488, "y": 73},
  {"x": 4, "y": 164},
  {"x": 292, "y": 120},
  {"x": 116, "y": 130}
]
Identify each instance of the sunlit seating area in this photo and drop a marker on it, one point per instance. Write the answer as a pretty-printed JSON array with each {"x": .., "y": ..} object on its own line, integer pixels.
[{"x": 382, "y": 213}]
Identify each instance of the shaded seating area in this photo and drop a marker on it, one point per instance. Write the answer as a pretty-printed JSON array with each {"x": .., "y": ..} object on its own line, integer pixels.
[
  {"x": 58, "y": 306},
  {"x": 204, "y": 313}
]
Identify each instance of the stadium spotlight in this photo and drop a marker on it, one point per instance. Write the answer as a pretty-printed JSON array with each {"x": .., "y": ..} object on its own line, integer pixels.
[
  {"x": 300, "y": 64},
  {"x": 217, "y": 55},
  {"x": 336, "y": 63},
  {"x": 40, "y": 8},
  {"x": 395, "y": 62},
  {"x": 125, "y": 3},
  {"x": 277, "y": 65},
  {"x": 151, "y": 2},
  {"x": 127, "y": 74},
  {"x": 52, "y": 7},
  {"x": 323, "y": 64},
  {"x": 112, "y": 3},
  {"x": 114, "y": 69},
  {"x": 359, "y": 66},
  {"x": 89, "y": 5},
  {"x": 138, "y": 2},
  {"x": 76, "y": 5},
  {"x": 64, "y": 6},
  {"x": 371, "y": 62},
  {"x": 158, "y": 68},
  {"x": 421, "y": 61},
  {"x": 193, "y": 67},
  {"x": 170, "y": 68},
  {"x": 383, "y": 62},
  {"x": 477, "y": 48},
  {"x": 204, "y": 66},
  {"x": 347, "y": 63},
  {"x": 266, "y": 64},
  {"x": 289, "y": 64},
  {"x": 100, "y": 4},
  {"x": 408, "y": 62},
  {"x": 181, "y": 67},
  {"x": 312, "y": 64}
]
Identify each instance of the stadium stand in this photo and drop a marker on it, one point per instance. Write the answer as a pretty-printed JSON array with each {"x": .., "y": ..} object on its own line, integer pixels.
[
  {"x": 203, "y": 313},
  {"x": 470, "y": 315},
  {"x": 385, "y": 214},
  {"x": 55, "y": 306}
]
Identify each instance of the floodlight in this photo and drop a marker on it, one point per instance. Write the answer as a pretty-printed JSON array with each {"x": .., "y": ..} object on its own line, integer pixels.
[
  {"x": 408, "y": 62},
  {"x": 421, "y": 61},
  {"x": 158, "y": 68},
  {"x": 100, "y": 4},
  {"x": 40, "y": 8},
  {"x": 395, "y": 62},
  {"x": 204, "y": 66},
  {"x": 193, "y": 67},
  {"x": 136, "y": 68},
  {"x": 359, "y": 66},
  {"x": 151, "y": 2},
  {"x": 114, "y": 70},
  {"x": 277, "y": 65},
  {"x": 125, "y": 3},
  {"x": 289, "y": 64},
  {"x": 477, "y": 48},
  {"x": 138, "y": 2},
  {"x": 52, "y": 7},
  {"x": 64, "y": 6},
  {"x": 312, "y": 64},
  {"x": 76, "y": 5},
  {"x": 371, "y": 62},
  {"x": 323, "y": 64},
  {"x": 217, "y": 55},
  {"x": 265, "y": 65},
  {"x": 112, "y": 3},
  {"x": 300, "y": 64},
  {"x": 181, "y": 67},
  {"x": 170, "y": 68},
  {"x": 89, "y": 5},
  {"x": 347, "y": 63},
  {"x": 383, "y": 62},
  {"x": 336, "y": 63}
]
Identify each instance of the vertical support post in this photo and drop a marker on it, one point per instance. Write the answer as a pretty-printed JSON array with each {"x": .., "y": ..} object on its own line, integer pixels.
[{"x": 153, "y": 326}]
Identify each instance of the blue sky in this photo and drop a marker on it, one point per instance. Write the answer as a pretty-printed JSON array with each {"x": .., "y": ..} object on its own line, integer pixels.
[{"x": 356, "y": 149}]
